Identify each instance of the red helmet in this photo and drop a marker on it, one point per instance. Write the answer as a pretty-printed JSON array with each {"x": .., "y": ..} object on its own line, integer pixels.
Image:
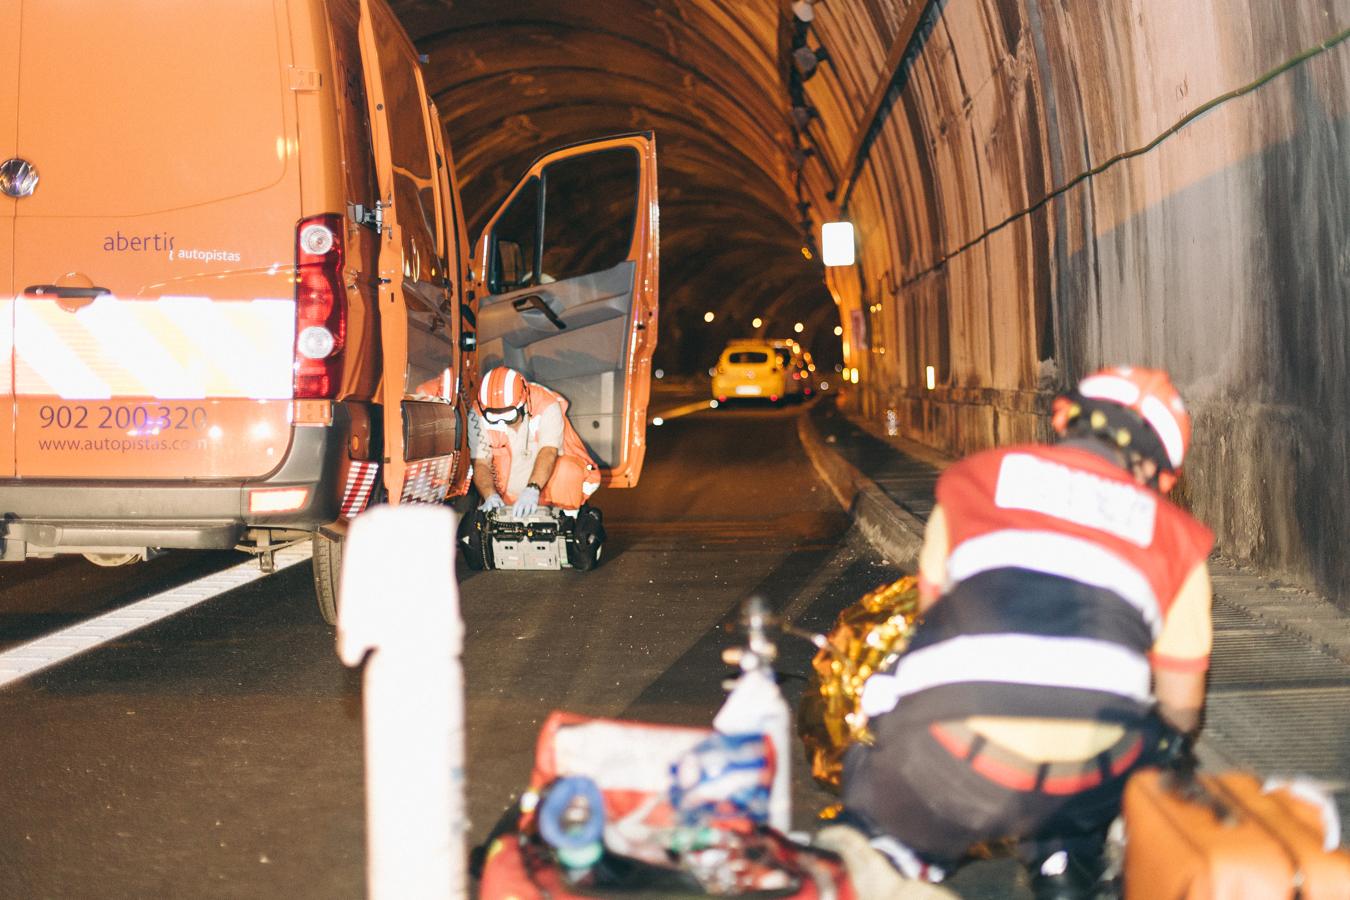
[
  {"x": 502, "y": 388},
  {"x": 1159, "y": 429}
]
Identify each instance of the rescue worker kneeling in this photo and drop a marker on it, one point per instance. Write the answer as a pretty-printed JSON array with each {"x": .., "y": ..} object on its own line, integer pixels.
[
  {"x": 1055, "y": 582},
  {"x": 525, "y": 453}
]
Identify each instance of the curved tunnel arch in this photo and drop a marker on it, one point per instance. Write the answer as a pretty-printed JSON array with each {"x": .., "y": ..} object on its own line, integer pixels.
[
  {"x": 511, "y": 82},
  {"x": 1026, "y": 178}
]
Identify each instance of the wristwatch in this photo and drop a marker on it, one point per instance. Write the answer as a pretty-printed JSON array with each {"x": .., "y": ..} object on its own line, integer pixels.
[{"x": 535, "y": 486}]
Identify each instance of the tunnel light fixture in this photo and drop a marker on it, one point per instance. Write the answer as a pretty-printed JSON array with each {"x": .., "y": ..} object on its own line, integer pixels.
[
  {"x": 932, "y": 377},
  {"x": 709, "y": 316},
  {"x": 799, "y": 327},
  {"x": 756, "y": 322},
  {"x": 839, "y": 331},
  {"x": 836, "y": 242}
]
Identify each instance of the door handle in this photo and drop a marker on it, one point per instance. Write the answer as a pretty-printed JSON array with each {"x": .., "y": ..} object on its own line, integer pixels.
[
  {"x": 537, "y": 303},
  {"x": 63, "y": 292}
]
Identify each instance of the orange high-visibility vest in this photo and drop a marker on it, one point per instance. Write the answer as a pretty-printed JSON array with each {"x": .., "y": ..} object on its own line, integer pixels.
[{"x": 575, "y": 467}]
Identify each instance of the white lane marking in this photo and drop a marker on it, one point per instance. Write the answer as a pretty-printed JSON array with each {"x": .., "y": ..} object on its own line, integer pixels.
[
  {"x": 822, "y": 578},
  {"x": 685, "y": 410},
  {"x": 44, "y": 652}
]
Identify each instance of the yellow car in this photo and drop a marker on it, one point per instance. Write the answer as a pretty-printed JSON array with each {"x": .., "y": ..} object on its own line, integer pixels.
[{"x": 753, "y": 369}]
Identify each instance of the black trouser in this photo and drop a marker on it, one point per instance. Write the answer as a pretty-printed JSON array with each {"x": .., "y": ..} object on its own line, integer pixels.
[{"x": 911, "y": 787}]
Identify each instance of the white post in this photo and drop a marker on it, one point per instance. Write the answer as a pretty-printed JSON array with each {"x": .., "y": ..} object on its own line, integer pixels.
[{"x": 399, "y": 611}]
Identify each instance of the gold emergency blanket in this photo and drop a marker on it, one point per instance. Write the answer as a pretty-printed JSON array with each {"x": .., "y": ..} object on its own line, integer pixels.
[{"x": 866, "y": 636}]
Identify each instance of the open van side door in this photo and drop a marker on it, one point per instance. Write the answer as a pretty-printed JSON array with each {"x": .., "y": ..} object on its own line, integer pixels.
[
  {"x": 418, "y": 269},
  {"x": 567, "y": 267},
  {"x": 463, "y": 321}
]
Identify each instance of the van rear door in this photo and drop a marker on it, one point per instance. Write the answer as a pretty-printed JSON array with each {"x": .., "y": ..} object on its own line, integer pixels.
[
  {"x": 418, "y": 313},
  {"x": 154, "y": 313},
  {"x": 569, "y": 264},
  {"x": 9, "y": 93}
]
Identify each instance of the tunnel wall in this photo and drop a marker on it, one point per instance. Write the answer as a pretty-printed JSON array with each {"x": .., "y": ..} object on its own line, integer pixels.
[{"x": 1000, "y": 243}]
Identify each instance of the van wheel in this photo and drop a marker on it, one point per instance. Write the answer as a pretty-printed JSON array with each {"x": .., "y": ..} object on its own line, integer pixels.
[
  {"x": 110, "y": 560},
  {"x": 327, "y": 564}
]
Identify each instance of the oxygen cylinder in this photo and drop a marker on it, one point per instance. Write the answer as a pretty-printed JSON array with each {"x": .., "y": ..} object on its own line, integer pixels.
[{"x": 756, "y": 706}]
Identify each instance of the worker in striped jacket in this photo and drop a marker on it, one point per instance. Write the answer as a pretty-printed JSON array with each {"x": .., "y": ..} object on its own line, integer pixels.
[{"x": 1065, "y": 637}]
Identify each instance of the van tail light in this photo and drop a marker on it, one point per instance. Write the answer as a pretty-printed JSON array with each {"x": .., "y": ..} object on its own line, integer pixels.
[{"x": 320, "y": 307}]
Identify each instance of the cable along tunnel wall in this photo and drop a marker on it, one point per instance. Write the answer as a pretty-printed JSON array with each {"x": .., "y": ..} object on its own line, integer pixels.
[{"x": 1053, "y": 186}]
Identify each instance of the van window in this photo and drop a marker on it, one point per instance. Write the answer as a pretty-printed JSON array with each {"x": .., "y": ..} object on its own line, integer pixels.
[
  {"x": 414, "y": 184},
  {"x": 748, "y": 357},
  {"x": 514, "y": 241},
  {"x": 589, "y": 204},
  {"x": 358, "y": 158}
]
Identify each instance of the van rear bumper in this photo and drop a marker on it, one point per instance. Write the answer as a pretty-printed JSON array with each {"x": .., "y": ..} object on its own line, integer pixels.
[{"x": 72, "y": 516}]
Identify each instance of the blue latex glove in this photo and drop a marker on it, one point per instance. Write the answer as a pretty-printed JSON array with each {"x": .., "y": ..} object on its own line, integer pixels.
[
  {"x": 494, "y": 501},
  {"x": 526, "y": 503}
]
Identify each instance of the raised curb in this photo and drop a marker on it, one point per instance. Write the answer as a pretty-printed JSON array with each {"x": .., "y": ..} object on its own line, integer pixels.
[{"x": 894, "y": 531}]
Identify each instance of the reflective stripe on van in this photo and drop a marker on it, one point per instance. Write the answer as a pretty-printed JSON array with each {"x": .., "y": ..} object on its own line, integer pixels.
[
  {"x": 427, "y": 480},
  {"x": 168, "y": 348}
]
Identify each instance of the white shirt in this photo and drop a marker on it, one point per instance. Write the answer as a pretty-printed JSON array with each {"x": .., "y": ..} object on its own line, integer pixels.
[{"x": 544, "y": 430}]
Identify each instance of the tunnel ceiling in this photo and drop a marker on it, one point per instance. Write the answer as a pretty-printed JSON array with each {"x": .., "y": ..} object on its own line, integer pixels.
[{"x": 513, "y": 80}]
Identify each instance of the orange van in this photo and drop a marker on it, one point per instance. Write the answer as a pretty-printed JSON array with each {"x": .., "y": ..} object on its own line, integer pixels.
[{"x": 236, "y": 292}]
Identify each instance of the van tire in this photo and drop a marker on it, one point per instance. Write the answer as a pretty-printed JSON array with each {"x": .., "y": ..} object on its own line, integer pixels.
[
  {"x": 112, "y": 560},
  {"x": 326, "y": 561}
]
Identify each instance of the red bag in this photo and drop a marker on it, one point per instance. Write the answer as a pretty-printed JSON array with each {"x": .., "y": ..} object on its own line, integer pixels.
[
  {"x": 630, "y": 762},
  {"x": 1223, "y": 837}
]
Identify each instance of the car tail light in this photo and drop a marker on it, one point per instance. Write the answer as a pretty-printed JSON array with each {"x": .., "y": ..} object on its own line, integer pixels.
[
  {"x": 320, "y": 307},
  {"x": 274, "y": 500}
]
